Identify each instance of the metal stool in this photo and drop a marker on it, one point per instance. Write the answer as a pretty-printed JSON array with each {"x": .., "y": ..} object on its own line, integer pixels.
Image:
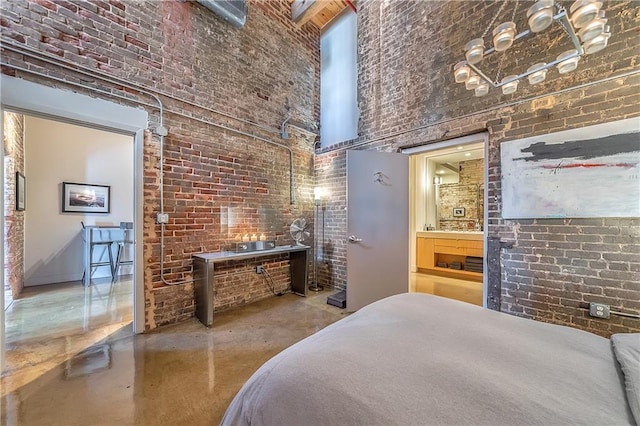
[
  {"x": 125, "y": 226},
  {"x": 105, "y": 243}
]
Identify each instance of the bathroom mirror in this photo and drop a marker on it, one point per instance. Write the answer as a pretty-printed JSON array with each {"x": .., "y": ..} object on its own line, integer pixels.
[{"x": 455, "y": 189}]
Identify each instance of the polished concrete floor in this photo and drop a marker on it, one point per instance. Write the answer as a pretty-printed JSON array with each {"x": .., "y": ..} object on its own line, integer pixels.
[
  {"x": 182, "y": 374},
  {"x": 452, "y": 288},
  {"x": 73, "y": 359}
]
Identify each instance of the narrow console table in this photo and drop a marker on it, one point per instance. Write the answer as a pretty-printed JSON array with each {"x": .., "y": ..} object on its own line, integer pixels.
[{"x": 204, "y": 278}]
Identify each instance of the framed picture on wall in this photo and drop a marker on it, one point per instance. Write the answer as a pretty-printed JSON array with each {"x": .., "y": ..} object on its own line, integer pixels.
[
  {"x": 85, "y": 198},
  {"x": 458, "y": 212},
  {"x": 21, "y": 192}
]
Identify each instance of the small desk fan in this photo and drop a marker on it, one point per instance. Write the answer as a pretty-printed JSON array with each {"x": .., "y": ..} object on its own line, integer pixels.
[{"x": 299, "y": 230}]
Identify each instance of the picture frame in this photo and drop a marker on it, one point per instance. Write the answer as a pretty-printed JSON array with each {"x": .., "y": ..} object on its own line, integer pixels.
[
  {"x": 85, "y": 198},
  {"x": 21, "y": 192},
  {"x": 458, "y": 212}
]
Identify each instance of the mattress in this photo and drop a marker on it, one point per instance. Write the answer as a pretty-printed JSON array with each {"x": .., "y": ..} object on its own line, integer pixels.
[{"x": 422, "y": 359}]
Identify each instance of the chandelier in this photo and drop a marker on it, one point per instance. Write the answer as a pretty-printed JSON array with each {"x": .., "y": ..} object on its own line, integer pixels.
[{"x": 586, "y": 27}]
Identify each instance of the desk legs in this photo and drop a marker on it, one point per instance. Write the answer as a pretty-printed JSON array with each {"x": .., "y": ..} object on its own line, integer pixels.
[
  {"x": 203, "y": 273},
  {"x": 299, "y": 269}
]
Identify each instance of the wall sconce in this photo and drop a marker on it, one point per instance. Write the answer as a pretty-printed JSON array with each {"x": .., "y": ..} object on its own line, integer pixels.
[{"x": 437, "y": 180}]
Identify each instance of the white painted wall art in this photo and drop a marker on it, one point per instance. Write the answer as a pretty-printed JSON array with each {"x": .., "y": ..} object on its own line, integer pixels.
[{"x": 588, "y": 172}]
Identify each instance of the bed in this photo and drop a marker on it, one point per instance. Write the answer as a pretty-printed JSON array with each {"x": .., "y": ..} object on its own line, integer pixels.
[{"x": 422, "y": 359}]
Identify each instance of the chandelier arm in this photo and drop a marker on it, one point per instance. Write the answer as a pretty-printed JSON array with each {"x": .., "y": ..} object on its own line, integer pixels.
[
  {"x": 483, "y": 75},
  {"x": 564, "y": 21},
  {"x": 524, "y": 74},
  {"x": 568, "y": 28}
]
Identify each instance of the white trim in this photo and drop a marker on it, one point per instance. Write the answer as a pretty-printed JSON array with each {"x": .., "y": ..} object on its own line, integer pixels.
[
  {"x": 463, "y": 140},
  {"x": 35, "y": 98},
  {"x": 2, "y": 339},
  {"x": 25, "y": 96}
]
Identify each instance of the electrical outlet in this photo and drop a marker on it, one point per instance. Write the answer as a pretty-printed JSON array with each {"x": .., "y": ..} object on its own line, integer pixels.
[
  {"x": 259, "y": 269},
  {"x": 599, "y": 310},
  {"x": 162, "y": 218}
]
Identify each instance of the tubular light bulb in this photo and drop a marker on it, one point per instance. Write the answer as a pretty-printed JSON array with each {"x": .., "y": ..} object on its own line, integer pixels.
[
  {"x": 540, "y": 15},
  {"x": 503, "y": 36},
  {"x": 461, "y": 72},
  {"x": 510, "y": 85},
  {"x": 593, "y": 28},
  {"x": 482, "y": 89},
  {"x": 596, "y": 44},
  {"x": 584, "y": 11},
  {"x": 474, "y": 51},
  {"x": 472, "y": 82},
  {"x": 570, "y": 64},
  {"x": 538, "y": 76}
]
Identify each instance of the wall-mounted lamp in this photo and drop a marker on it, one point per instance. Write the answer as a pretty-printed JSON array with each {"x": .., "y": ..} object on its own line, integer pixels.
[{"x": 437, "y": 180}]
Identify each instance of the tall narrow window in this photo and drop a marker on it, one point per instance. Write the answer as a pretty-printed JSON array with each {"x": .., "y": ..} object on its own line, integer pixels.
[{"x": 339, "y": 81}]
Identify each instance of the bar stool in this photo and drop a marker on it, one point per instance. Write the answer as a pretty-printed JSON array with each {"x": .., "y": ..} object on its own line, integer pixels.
[
  {"x": 125, "y": 226},
  {"x": 92, "y": 245}
]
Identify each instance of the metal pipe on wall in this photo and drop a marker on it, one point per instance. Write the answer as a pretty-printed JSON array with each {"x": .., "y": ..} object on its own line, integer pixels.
[
  {"x": 160, "y": 131},
  {"x": 484, "y": 111},
  {"x": 92, "y": 73},
  {"x": 34, "y": 53}
]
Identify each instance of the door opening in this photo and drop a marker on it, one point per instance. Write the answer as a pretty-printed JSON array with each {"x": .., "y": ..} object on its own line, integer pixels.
[
  {"x": 44, "y": 247},
  {"x": 448, "y": 217},
  {"x": 25, "y": 97}
]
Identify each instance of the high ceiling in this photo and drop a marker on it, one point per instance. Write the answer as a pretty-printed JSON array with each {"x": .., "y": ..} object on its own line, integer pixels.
[{"x": 319, "y": 12}]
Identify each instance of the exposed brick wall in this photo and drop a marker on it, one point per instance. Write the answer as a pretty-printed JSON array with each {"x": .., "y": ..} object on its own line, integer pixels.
[
  {"x": 407, "y": 96},
  {"x": 330, "y": 175},
  {"x": 217, "y": 183},
  {"x": 466, "y": 194},
  {"x": 13, "y": 219}
]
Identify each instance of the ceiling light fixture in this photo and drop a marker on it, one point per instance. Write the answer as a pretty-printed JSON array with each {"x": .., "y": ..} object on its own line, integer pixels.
[{"x": 584, "y": 16}]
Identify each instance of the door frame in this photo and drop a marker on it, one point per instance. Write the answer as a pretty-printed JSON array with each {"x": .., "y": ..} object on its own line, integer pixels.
[
  {"x": 30, "y": 98},
  {"x": 429, "y": 147}
]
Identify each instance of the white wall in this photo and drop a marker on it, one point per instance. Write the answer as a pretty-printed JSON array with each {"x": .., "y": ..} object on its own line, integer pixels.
[
  {"x": 57, "y": 152},
  {"x": 339, "y": 80}
]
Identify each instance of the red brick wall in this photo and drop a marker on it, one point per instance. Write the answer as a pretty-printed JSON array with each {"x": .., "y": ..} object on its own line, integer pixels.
[
  {"x": 217, "y": 182},
  {"x": 463, "y": 194},
  {"x": 407, "y": 96},
  {"x": 13, "y": 128}
]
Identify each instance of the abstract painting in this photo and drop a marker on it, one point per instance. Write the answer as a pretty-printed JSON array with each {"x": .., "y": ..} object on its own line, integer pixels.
[{"x": 593, "y": 171}]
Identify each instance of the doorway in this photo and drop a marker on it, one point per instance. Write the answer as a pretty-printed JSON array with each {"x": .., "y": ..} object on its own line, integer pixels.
[
  {"x": 44, "y": 245},
  {"x": 448, "y": 217},
  {"x": 25, "y": 97}
]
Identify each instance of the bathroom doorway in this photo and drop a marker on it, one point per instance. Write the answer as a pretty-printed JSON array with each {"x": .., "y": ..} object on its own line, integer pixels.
[{"x": 448, "y": 217}]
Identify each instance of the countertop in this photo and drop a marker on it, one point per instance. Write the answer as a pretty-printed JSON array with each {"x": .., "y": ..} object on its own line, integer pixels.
[
  {"x": 222, "y": 256},
  {"x": 452, "y": 235}
]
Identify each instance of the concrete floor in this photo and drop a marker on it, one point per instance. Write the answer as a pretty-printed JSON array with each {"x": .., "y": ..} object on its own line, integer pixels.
[
  {"x": 73, "y": 359},
  {"x": 182, "y": 374},
  {"x": 452, "y": 288}
]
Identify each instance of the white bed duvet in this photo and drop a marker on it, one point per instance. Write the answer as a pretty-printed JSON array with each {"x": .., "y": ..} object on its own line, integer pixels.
[{"x": 422, "y": 359}]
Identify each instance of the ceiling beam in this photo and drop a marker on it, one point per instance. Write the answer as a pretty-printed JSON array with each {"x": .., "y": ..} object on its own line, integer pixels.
[{"x": 304, "y": 10}]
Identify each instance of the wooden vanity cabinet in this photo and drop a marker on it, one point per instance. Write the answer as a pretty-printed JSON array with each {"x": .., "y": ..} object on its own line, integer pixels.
[{"x": 433, "y": 250}]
